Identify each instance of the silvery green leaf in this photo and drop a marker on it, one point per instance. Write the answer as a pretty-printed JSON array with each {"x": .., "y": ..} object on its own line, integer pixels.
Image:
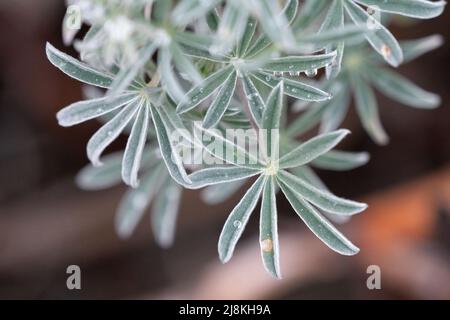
[
  {"x": 203, "y": 90},
  {"x": 312, "y": 149},
  {"x": 272, "y": 19},
  {"x": 349, "y": 33},
  {"x": 299, "y": 63},
  {"x": 402, "y": 90},
  {"x": 247, "y": 37},
  {"x": 227, "y": 150},
  {"x": 336, "y": 110},
  {"x": 310, "y": 11},
  {"x": 135, "y": 201},
  {"x": 264, "y": 41},
  {"x": 341, "y": 160},
  {"x": 320, "y": 226},
  {"x": 110, "y": 131},
  {"x": 322, "y": 199},
  {"x": 165, "y": 213},
  {"x": 76, "y": 69},
  {"x": 90, "y": 109},
  {"x": 216, "y": 175},
  {"x": 334, "y": 20},
  {"x": 212, "y": 19},
  {"x": 169, "y": 154},
  {"x": 126, "y": 76},
  {"x": 413, "y": 49},
  {"x": 381, "y": 39},
  {"x": 271, "y": 121},
  {"x": 219, "y": 193},
  {"x": 237, "y": 220},
  {"x": 221, "y": 102},
  {"x": 195, "y": 46},
  {"x": 268, "y": 230},
  {"x": 104, "y": 177},
  {"x": 135, "y": 146},
  {"x": 294, "y": 88},
  {"x": 161, "y": 11},
  {"x": 367, "y": 108},
  {"x": 188, "y": 10},
  {"x": 421, "y": 9},
  {"x": 168, "y": 77},
  {"x": 184, "y": 64},
  {"x": 307, "y": 174},
  {"x": 272, "y": 113},
  {"x": 255, "y": 101},
  {"x": 231, "y": 29}
]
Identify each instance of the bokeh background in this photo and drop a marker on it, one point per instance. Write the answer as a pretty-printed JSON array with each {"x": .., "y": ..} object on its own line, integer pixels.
[{"x": 46, "y": 223}]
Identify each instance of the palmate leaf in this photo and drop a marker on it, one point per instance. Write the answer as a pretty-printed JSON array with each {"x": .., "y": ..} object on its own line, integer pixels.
[{"x": 240, "y": 57}]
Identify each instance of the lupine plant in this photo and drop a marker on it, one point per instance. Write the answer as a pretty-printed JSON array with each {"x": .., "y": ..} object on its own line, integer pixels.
[{"x": 178, "y": 75}]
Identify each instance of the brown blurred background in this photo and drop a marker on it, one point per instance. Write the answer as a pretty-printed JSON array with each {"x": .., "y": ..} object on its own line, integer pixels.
[{"x": 46, "y": 223}]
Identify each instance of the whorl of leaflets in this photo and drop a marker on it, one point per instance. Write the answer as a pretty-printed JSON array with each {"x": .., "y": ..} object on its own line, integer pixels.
[{"x": 200, "y": 68}]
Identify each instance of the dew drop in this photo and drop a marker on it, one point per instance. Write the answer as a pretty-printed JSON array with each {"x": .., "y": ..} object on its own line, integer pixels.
[
  {"x": 237, "y": 224},
  {"x": 311, "y": 73}
]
